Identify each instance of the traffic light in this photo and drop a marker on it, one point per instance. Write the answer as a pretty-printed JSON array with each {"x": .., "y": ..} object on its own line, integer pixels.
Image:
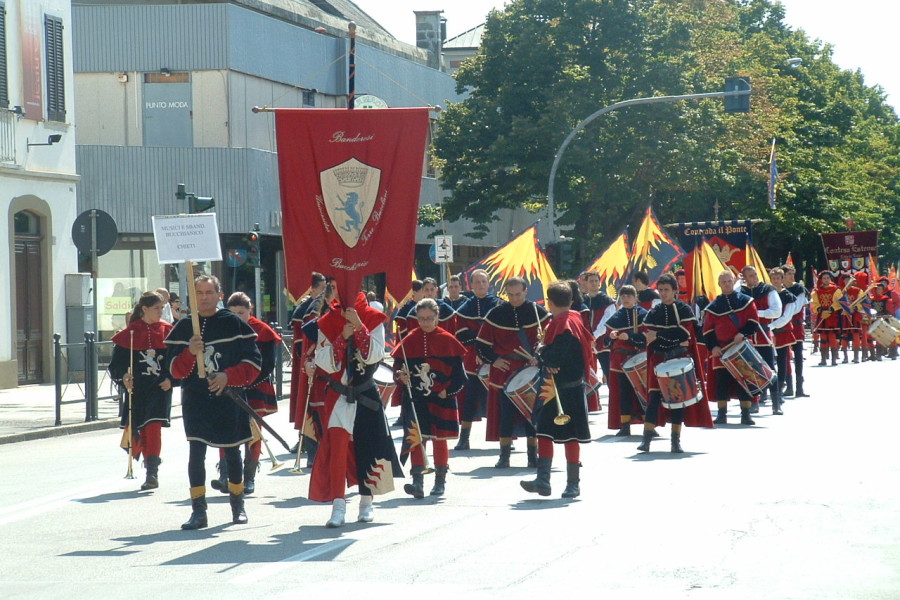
[
  {"x": 196, "y": 204},
  {"x": 737, "y": 104},
  {"x": 253, "y": 248},
  {"x": 566, "y": 252}
]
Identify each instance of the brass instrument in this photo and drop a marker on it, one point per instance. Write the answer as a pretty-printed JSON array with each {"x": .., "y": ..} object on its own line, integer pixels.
[
  {"x": 562, "y": 418},
  {"x": 258, "y": 433}
]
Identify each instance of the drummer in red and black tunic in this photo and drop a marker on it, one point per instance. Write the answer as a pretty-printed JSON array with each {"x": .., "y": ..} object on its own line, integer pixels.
[
  {"x": 782, "y": 329},
  {"x": 507, "y": 340},
  {"x": 260, "y": 393},
  {"x": 730, "y": 318},
  {"x": 455, "y": 298},
  {"x": 768, "y": 308},
  {"x": 472, "y": 401},
  {"x": 142, "y": 343},
  {"x": 357, "y": 444},
  {"x": 626, "y": 330},
  {"x": 883, "y": 305},
  {"x": 647, "y": 296},
  {"x": 599, "y": 307},
  {"x": 566, "y": 354},
  {"x": 671, "y": 333},
  {"x": 428, "y": 364},
  {"x": 228, "y": 349}
]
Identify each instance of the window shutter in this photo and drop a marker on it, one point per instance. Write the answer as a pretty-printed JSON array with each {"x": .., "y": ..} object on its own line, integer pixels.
[
  {"x": 4, "y": 79},
  {"x": 56, "y": 81}
]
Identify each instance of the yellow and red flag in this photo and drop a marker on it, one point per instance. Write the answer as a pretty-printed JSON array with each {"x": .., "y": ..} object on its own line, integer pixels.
[
  {"x": 653, "y": 250},
  {"x": 612, "y": 264},
  {"x": 754, "y": 260},
  {"x": 520, "y": 257}
]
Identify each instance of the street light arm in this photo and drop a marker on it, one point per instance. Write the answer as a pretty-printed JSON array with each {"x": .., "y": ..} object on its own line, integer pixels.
[{"x": 603, "y": 111}]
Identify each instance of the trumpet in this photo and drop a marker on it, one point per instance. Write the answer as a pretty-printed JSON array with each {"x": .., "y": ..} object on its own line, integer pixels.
[{"x": 258, "y": 433}]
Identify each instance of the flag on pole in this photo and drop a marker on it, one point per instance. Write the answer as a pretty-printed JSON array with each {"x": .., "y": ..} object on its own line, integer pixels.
[
  {"x": 773, "y": 176},
  {"x": 653, "y": 250},
  {"x": 612, "y": 264},
  {"x": 520, "y": 257},
  {"x": 789, "y": 260},
  {"x": 754, "y": 260}
]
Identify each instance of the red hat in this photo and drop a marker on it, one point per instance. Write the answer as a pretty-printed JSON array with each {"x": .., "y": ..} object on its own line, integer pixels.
[
  {"x": 862, "y": 279},
  {"x": 332, "y": 323}
]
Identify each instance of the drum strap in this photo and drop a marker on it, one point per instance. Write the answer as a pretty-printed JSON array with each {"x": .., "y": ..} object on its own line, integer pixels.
[{"x": 523, "y": 339}]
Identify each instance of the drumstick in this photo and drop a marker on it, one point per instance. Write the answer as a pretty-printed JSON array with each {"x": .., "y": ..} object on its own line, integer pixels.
[{"x": 523, "y": 352}]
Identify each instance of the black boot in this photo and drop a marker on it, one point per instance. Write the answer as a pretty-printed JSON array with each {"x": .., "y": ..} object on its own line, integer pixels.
[
  {"x": 645, "y": 444},
  {"x": 855, "y": 355},
  {"x": 846, "y": 359},
  {"x": 800, "y": 393},
  {"x": 440, "y": 479},
  {"x": 221, "y": 483},
  {"x": 722, "y": 417},
  {"x": 238, "y": 516},
  {"x": 572, "y": 480},
  {"x": 198, "y": 514},
  {"x": 532, "y": 456},
  {"x": 834, "y": 357},
  {"x": 625, "y": 431},
  {"x": 541, "y": 484},
  {"x": 788, "y": 389},
  {"x": 824, "y": 360},
  {"x": 152, "y": 465},
  {"x": 745, "y": 417},
  {"x": 311, "y": 446},
  {"x": 250, "y": 468},
  {"x": 754, "y": 407},
  {"x": 416, "y": 489},
  {"x": 776, "y": 407},
  {"x": 676, "y": 443},
  {"x": 503, "y": 461},
  {"x": 463, "y": 443}
]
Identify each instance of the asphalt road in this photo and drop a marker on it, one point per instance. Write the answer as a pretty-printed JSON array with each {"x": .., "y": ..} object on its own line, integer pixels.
[{"x": 800, "y": 506}]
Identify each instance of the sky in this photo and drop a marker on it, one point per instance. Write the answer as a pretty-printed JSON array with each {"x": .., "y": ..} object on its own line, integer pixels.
[{"x": 860, "y": 31}]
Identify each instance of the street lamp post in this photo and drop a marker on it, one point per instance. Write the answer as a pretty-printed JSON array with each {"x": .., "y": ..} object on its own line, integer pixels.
[{"x": 623, "y": 104}]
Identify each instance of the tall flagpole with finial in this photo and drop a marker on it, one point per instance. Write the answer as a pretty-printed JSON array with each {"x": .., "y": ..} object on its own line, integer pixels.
[{"x": 351, "y": 64}]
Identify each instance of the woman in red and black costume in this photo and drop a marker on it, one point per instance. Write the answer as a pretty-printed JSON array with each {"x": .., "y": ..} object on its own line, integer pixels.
[
  {"x": 428, "y": 364},
  {"x": 260, "y": 394},
  {"x": 730, "y": 318},
  {"x": 567, "y": 354},
  {"x": 143, "y": 344},
  {"x": 671, "y": 333},
  {"x": 356, "y": 447}
]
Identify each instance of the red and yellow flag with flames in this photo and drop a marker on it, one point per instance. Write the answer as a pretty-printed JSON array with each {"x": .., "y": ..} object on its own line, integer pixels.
[
  {"x": 520, "y": 257},
  {"x": 653, "y": 250},
  {"x": 612, "y": 265}
]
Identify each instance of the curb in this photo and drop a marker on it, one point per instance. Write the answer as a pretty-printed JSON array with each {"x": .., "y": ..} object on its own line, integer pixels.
[{"x": 54, "y": 431}]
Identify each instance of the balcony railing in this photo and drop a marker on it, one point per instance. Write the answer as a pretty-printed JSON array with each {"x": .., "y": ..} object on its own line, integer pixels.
[{"x": 7, "y": 136}]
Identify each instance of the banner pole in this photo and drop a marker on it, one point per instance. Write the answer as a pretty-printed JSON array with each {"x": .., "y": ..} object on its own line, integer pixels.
[
  {"x": 195, "y": 312},
  {"x": 351, "y": 63}
]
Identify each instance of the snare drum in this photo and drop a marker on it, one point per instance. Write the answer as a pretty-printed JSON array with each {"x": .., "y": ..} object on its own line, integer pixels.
[
  {"x": 883, "y": 331},
  {"x": 484, "y": 375},
  {"x": 384, "y": 380},
  {"x": 635, "y": 369},
  {"x": 747, "y": 367},
  {"x": 678, "y": 383},
  {"x": 523, "y": 389}
]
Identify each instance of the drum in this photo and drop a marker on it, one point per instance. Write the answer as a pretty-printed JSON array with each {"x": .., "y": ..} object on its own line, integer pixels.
[
  {"x": 635, "y": 369},
  {"x": 678, "y": 383},
  {"x": 484, "y": 375},
  {"x": 384, "y": 380},
  {"x": 523, "y": 389},
  {"x": 592, "y": 383},
  {"x": 883, "y": 331},
  {"x": 747, "y": 367}
]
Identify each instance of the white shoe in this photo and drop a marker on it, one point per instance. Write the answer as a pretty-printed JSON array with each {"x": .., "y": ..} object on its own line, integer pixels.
[
  {"x": 338, "y": 510},
  {"x": 366, "y": 510}
]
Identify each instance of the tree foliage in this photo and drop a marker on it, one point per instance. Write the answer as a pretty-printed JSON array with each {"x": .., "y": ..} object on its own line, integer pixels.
[{"x": 545, "y": 65}]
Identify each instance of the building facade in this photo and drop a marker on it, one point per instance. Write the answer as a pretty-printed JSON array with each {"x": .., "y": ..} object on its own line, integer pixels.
[{"x": 38, "y": 181}]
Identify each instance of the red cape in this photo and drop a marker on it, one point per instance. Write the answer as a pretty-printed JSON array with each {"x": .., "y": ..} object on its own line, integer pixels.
[
  {"x": 264, "y": 333},
  {"x": 331, "y": 324},
  {"x": 146, "y": 335},
  {"x": 572, "y": 322}
]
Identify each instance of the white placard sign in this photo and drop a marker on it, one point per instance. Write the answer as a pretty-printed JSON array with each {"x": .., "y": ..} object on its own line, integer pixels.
[
  {"x": 443, "y": 248},
  {"x": 180, "y": 238}
]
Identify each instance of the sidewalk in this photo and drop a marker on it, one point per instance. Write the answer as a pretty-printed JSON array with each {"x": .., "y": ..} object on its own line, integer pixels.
[{"x": 29, "y": 412}]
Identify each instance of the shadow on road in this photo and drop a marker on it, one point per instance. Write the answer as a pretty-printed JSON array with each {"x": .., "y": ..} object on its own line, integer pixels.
[
  {"x": 542, "y": 504},
  {"x": 112, "y": 496},
  {"x": 663, "y": 455}
]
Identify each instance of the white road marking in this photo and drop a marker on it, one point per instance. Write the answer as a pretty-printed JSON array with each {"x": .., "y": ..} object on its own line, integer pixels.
[
  {"x": 274, "y": 568},
  {"x": 38, "y": 506}
]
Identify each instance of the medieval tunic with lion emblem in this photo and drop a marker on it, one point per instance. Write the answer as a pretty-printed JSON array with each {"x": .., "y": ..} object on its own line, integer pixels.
[
  {"x": 569, "y": 347},
  {"x": 435, "y": 364},
  {"x": 143, "y": 345},
  {"x": 230, "y": 349}
]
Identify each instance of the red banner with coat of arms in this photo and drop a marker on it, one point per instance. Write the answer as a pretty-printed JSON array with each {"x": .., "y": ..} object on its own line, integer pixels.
[
  {"x": 849, "y": 251},
  {"x": 350, "y": 183}
]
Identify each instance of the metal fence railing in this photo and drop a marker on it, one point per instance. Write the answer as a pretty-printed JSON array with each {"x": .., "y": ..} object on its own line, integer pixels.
[
  {"x": 7, "y": 136},
  {"x": 89, "y": 389}
]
